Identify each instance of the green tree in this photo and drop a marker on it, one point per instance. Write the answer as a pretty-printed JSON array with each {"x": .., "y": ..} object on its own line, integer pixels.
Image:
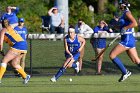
[{"x": 31, "y": 10}]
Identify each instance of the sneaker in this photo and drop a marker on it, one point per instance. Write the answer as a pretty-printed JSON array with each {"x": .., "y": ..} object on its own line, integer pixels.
[
  {"x": 53, "y": 79},
  {"x": 27, "y": 79},
  {"x": 124, "y": 77},
  {"x": 77, "y": 68}
]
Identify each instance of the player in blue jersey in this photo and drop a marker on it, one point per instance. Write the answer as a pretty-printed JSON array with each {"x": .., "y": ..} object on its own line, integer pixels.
[
  {"x": 22, "y": 30},
  {"x": 127, "y": 43},
  {"x": 99, "y": 43},
  {"x": 73, "y": 45},
  {"x": 11, "y": 15},
  {"x": 18, "y": 46}
]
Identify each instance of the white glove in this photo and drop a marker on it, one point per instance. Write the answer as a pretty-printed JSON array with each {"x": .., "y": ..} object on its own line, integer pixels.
[{"x": 123, "y": 30}]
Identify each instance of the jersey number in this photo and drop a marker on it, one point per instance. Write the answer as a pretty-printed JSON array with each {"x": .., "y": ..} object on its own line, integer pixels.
[{"x": 71, "y": 49}]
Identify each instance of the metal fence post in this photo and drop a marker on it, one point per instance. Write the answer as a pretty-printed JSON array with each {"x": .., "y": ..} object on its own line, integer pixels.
[{"x": 30, "y": 40}]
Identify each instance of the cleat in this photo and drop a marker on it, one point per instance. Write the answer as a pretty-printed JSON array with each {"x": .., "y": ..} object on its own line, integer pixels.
[
  {"x": 124, "y": 77},
  {"x": 77, "y": 68},
  {"x": 53, "y": 79},
  {"x": 27, "y": 79}
]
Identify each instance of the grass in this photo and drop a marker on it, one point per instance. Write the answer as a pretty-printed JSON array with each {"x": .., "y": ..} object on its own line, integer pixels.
[
  {"x": 80, "y": 84},
  {"x": 48, "y": 57}
]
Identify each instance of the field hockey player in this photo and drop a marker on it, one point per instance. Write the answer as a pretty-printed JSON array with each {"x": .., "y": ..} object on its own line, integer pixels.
[
  {"x": 18, "y": 46},
  {"x": 73, "y": 45},
  {"x": 127, "y": 43}
]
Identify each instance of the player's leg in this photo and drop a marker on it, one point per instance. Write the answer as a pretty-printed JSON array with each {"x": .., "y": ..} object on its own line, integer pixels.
[
  {"x": 8, "y": 57},
  {"x": 132, "y": 53},
  {"x": 99, "y": 61},
  {"x": 80, "y": 59},
  {"x": 61, "y": 71},
  {"x": 75, "y": 63},
  {"x": 22, "y": 64},
  {"x": 19, "y": 69},
  {"x": 22, "y": 61},
  {"x": 70, "y": 62},
  {"x": 113, "y": 56}
]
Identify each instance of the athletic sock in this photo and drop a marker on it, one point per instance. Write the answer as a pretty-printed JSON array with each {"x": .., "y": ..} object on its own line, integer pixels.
[
  {"x": 2, "y": 69},
  {"x": 120, "y": 65},
  {"x": 60, "y": 72},
  {"x": 21, "y": 72},
  {"x": 74, "y": 65}
]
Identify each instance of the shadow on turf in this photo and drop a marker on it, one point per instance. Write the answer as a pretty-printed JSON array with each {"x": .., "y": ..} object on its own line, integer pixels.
[
  {"x": 110, "y": 68},
  {"x": 89, "y": 68}
]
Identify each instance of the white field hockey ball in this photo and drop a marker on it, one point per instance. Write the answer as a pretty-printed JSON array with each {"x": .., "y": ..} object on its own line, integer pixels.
[{"x": 70, "y": 79}]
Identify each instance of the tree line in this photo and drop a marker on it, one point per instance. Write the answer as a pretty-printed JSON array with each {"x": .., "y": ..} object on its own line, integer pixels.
[{"x": 32, "y": 10}]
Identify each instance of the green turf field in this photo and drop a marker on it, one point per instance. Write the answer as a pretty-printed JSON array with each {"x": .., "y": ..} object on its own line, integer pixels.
[
  {"x": 80, "y": 84},
  {"x": 48, "y": 57}
]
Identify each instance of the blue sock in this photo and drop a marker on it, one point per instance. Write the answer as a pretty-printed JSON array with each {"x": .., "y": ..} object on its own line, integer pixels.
[
  {"x": 60, "y": 72},
  {"x": 119, "y": 64},
  {"x": 74, "y": 65}
]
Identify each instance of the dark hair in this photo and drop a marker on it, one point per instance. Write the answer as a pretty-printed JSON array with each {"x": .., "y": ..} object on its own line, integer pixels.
[
  {"x": 71, "y": 26},
  {"x": 80, "y": 19},
  {"x": 125, "y": 2}
]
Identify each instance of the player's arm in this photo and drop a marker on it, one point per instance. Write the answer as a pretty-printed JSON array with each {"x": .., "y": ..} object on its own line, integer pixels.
[
  {"x": 62, "y": 21},
  {"x": 66, "y": 47},
  {"x": 50, "y": 11},
  {"x": 13, "y": 7},
  {"x": 132, "y": 19},
  {"x": 2, "y": 32},
  {"x": 16, "y": 9},
  {"x": 88, "y": 29},
  {"x": 83, "y": 42}
]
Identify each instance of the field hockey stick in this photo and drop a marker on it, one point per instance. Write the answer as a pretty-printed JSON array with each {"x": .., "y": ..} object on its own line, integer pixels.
[
  {"x": 67, "y": 63},
  {"x": 94, "y": 59},
  {"x": 70, "y": 59}
]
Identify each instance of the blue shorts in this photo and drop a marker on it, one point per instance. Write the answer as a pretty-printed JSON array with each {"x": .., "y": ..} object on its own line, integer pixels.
[
  {"x": 128, "y": 40},
  {"x": 99, "y": 43},
  {"x": 75, "y": 56}
]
